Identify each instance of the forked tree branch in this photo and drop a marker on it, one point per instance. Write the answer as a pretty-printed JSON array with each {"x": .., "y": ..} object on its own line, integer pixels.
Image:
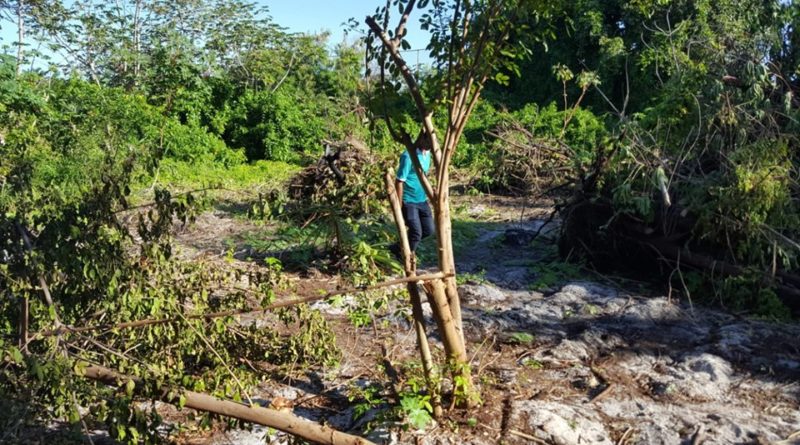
[
  {"x": 413, "y": 86},
  {"x": 416, "y": 94},
  {"x": 401, "y": 27}
]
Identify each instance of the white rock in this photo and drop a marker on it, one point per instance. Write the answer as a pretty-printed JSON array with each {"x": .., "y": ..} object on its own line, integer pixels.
[
  {"x": 481, "y": 294},
  {"x": 563, "y": 424}
]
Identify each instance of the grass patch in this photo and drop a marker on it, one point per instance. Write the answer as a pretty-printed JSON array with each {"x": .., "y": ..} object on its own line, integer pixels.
[
  {"x": 236, "y": 182},
  {"x": 551, "y": 270}
]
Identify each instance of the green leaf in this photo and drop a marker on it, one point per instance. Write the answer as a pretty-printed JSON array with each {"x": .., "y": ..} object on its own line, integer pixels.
[
  {"x": 130, "y": 385},
  {"x": 79, "y": 368},
  {"x": 16, "y": 355},
  {"x": 501, "y": 78},
  {"x": 521, "y": 338}
]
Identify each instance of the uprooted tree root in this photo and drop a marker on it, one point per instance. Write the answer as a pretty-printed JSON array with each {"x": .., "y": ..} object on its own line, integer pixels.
[{"x": 608, "y": 237}]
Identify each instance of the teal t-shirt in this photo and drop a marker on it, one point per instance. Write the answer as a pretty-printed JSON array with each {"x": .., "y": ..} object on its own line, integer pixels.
[{"x": 413, "y": 192}]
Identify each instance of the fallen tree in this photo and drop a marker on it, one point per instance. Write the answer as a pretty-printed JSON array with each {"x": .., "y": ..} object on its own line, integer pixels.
[{"x": 701, "y": 187}]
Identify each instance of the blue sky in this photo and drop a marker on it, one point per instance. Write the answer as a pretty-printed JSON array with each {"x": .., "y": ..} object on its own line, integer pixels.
[
  {"x": 307, "y": 16},
  {"x": 319, "y": 15}
]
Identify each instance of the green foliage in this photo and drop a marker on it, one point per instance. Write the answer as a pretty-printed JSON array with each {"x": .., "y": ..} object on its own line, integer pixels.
[
  {"x": 313, "y": 345},
  {"x": 747, "y": 293},
  {"x": 275, "y": 126},
  {"x": 462, "y": 392},
  {"x": 68, "y": 165},
  {"x": 237, "y": 182},
  {"x": 472, "y": 278},
  {"x": 552, "y": 273},
  {"x": 585, "y": 130},
  {"x": 716, "y": 135},
  {"x": 412, "y": 407},
  {"x": 416, "y": 410},
  {"x": 522, "y": 338},
  {"x": 500, "y": 150},
  {"x": 365, "y": 399}
]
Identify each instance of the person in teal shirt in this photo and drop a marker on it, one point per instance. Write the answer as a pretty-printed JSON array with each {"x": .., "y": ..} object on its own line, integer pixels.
[{"x": 416, "y": 211}]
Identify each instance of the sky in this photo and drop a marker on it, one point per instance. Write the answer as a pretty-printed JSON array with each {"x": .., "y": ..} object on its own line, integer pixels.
[
  {"x": 308, "y": 16},
  {"x": 319, "y": 15}
]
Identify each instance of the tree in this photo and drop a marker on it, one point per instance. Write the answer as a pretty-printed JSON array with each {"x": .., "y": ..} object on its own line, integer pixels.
[
  {"x": 23, "y": 14},
  {"x": 470, "y": 44}
]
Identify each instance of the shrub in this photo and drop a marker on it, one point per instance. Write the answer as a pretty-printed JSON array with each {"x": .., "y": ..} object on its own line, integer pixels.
[{"x": 274, "y": 126}]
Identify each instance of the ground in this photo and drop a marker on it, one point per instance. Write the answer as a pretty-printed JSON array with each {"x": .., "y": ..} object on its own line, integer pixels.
[{"x": 561, "y": 355}]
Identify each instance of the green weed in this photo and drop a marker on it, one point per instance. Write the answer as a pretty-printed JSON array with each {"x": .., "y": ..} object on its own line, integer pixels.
[
  {"x": 237, "y": 181},
  {"x": 522, "y": 338}
]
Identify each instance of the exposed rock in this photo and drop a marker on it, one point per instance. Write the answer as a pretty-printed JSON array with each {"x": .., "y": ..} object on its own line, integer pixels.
[
  {"x": 515, "y": 278},
  {"x": 518, "y": 236},
  {"x": 562, "y": 424},
  {"x": 715, "y": 368},
  {"x": 481, "y": 294},
  {"x": 669, "y": 368}
]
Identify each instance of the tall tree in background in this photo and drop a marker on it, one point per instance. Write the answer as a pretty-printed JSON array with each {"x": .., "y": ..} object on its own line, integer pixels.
[
  {"x": 470, "y": 43},
  {"x": 22, "y": 14}
]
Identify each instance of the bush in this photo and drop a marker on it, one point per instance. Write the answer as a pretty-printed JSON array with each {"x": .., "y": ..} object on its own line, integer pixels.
[{"x": 274, "y": 126}]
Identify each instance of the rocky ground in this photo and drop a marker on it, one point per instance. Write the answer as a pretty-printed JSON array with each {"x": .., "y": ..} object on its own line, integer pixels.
[{"x": 578, "y": 362}]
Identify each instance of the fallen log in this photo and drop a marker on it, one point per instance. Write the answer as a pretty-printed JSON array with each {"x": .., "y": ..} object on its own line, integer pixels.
[
  {"x": 789, "y": 295},
  {"x": 283, "y": 421}
]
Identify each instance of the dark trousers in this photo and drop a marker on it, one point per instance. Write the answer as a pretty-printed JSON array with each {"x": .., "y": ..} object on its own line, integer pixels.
[{"x": 419, "y": 221}]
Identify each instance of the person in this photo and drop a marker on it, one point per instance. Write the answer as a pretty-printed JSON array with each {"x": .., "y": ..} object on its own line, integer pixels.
[{"x": 416, "y": 211}]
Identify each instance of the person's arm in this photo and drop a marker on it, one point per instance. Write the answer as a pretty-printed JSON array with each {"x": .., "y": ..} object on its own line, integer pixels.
[{"x": 398, "y": 185}]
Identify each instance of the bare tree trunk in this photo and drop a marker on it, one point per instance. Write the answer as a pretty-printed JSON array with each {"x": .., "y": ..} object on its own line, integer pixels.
[
  {"x": 20, "y": 35},
  {"x": 137, "y": 46},
  {"x": 283, "y": 421},
  {"x": 447, "y": 262},
  {"x": 23, "y": 323}
]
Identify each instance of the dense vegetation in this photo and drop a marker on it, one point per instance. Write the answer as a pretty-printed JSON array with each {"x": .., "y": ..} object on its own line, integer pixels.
[{"x": 663, "y": 128}]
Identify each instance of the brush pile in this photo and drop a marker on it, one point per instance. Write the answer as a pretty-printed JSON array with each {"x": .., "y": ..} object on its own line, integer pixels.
[{"x": 345, "y": 181}]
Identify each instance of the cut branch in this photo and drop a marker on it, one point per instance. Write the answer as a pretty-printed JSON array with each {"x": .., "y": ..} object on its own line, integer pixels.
[
  {"x": 413, "y": 86},
  {"x": 213, "y": 315},
  {"x": 283, "y": 421}
]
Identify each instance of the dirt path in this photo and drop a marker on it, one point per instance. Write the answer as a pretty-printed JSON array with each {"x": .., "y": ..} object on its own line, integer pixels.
[{"x": 583, "y": 363}]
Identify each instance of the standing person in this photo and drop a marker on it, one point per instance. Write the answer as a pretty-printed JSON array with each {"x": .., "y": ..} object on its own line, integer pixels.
[{"x": 416, "y": 212}]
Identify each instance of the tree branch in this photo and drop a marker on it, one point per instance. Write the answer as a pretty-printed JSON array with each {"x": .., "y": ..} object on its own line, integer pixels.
[
  {"x": 401, "y": 27},
  {"x": 413, "y": 86},
  {"x": 283, "y": 421},
  {"x": 425, "y": 115},
  {"x": 230, "y": 313}
]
